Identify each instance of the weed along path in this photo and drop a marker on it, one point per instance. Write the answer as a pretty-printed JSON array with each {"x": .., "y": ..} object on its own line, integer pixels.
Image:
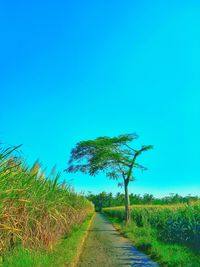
[{"x": 105, "y": 247}]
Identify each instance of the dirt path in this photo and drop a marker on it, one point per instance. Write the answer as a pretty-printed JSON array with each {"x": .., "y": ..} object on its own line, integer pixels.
[{"x": 105, "y": 247}]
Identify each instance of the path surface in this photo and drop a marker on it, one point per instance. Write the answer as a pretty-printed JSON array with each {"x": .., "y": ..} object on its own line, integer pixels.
[{"x": 105, "y": 247}]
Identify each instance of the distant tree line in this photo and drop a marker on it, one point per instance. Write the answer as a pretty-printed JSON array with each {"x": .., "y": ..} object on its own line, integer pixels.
[{"x": 103, "y": 199}]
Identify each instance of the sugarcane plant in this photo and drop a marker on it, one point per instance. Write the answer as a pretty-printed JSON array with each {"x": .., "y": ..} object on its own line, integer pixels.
[{"x": 36, "y": 210}]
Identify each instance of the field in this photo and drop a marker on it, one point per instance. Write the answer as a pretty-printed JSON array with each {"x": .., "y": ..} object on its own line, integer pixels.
[
  {"x": 154, "y": 228},
  {"x": 35, "y": 211}
]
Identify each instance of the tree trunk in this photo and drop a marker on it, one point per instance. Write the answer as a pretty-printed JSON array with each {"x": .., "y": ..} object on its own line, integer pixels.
[{"x": 127, "y": 203}]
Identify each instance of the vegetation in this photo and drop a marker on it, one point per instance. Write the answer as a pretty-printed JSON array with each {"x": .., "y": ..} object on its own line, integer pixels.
[
  {"x": 63, "y": 253},
  {"x": 35, "y": 211},
  {"x": 169, "y": 233},
  {"x": 42, "y": 221},
  {"x": 103, "y": 199},
  {"x": 114, "y": 156}
]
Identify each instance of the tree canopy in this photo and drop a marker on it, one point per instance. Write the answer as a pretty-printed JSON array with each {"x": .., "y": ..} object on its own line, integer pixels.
[{"x": 112, "y": 155}]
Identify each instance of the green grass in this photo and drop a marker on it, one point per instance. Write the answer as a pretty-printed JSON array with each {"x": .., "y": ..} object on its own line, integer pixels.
[
  {"x": 62, "y": 254},
  {"x": 166, "y": 254},
  {"x": 178, "y": 224}
]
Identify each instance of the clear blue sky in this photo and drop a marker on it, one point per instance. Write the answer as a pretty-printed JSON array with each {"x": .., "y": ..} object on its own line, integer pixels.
[{"x": 75, "y": 70}]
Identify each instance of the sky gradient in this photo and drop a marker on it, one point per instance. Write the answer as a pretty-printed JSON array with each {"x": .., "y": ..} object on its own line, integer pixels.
[{"x": 76, "y": 70}]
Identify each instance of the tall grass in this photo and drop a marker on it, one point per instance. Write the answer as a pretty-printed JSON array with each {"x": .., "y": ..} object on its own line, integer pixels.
[
  {"x": 173, "y": 223},
  {"x": 35, "y": 211}
]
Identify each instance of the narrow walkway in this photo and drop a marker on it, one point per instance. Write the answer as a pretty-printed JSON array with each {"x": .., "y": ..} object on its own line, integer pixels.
[{"x": 105, "y": 247}]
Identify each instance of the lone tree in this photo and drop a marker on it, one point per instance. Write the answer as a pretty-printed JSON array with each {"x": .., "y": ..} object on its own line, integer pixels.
[{"x": 112, "y": 155}]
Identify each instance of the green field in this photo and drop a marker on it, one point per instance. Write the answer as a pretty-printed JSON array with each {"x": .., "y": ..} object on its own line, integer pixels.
[{"x": 169, "y": 233}]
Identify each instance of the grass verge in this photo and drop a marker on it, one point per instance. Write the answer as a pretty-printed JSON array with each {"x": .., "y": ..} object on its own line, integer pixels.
[
  {"x": 65, "y": 253},
  {"x": 165, "y": 254}
]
